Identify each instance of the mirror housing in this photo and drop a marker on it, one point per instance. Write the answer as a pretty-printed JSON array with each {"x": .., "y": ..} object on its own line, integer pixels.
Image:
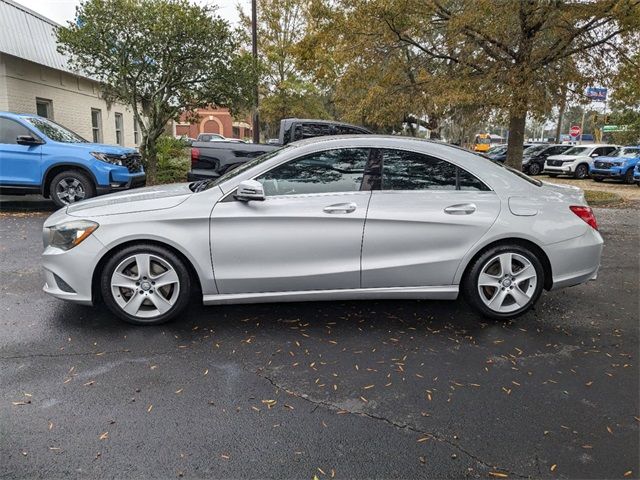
[
  {"x": 28, "y": 140},
  {"x": 250, "y": 190},
  {"x": 594, "y": 155}
]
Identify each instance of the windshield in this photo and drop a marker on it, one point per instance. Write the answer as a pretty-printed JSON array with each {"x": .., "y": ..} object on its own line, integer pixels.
[
  {"x": 242, "y": 168},
  {"x": 626, "y": 152},
  {"x": 577, "y": 151},
  {"x": 55, "y": 132},
  {"x": 534, "y": 149}
]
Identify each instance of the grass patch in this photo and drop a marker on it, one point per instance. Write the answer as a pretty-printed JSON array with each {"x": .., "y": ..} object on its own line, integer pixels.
[{"x": 601, "y": 198}]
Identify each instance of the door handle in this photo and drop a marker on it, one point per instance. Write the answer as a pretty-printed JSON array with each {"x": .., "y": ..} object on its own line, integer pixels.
[
  {"x": 340, "y": 208},
  {"x": 460, "y": 209}
]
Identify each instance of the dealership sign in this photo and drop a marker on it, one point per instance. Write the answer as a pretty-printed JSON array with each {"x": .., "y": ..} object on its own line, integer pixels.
[{"x": 597, "y": 94}]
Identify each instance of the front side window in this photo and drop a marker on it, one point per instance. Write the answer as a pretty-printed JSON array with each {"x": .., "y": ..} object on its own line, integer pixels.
[
  {"x": 96, "y": 125},
  {"x": 339, "y": 170},
  {"x": 119, "y": 136},
  {"x": 10, "y": 130},
  {"x": 55, "y": 132}
]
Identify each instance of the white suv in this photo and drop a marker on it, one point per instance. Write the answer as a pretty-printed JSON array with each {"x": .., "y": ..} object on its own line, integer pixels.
[{"x": 576, "y": 161}]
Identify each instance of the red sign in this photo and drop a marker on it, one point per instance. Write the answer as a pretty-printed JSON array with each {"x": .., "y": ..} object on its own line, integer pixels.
[{"x": 575, "y": 130}]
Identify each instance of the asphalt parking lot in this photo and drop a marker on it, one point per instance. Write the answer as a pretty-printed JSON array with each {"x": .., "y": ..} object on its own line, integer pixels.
[{"x": 346, "y": 390}]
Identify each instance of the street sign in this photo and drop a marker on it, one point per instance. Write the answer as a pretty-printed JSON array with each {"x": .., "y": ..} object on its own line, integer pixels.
[
  {"x": 597, "y": 94},
  {"x": 575, "y": 130}
]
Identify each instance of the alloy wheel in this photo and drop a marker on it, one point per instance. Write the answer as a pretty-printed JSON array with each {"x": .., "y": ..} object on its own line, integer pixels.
[
  {"x": 70, "y": 190},
  {"x": 534, "y": 169},
  {"x": 507, "y": 282},
  {"x": 145, "y": 285}
]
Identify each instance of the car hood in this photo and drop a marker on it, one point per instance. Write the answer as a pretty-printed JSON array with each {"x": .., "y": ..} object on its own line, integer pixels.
[
  {"x": 565, "y": 157},
  {"x": 102, "y": 148},
  {"x": 616, "y": 159},
  {"x": 138, "y": 200}
]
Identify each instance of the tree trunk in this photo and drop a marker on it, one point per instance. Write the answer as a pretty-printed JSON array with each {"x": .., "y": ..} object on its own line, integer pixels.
[
  {"x": 517, "y": 121},
  {"x": 562, "y": 106},
  {"x": 150, "y": 158}
]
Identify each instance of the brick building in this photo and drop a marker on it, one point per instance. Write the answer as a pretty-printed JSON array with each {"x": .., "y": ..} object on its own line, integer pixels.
[
  {"x": 214, "y": 120},
  {"x": 35, "y": 78}
]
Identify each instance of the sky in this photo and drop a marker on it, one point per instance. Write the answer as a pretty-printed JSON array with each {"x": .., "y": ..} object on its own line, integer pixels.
[{"x": 61, "y": 11}]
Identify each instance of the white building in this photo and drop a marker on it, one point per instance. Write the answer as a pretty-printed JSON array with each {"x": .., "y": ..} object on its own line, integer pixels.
[{"x": 35, "y": 78}]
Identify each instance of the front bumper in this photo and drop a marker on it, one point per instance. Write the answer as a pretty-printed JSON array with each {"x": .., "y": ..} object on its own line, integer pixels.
[
  {"x": 68, "y": 274},
  {"x": 577, "y": 260},
  {"x": 564, "y": 169},
  {"x": 609, "y": 173},
  {"x": 119, "y": 182}
]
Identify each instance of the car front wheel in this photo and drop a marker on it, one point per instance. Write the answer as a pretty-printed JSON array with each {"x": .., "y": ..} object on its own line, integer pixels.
[
  {"x": 70, "y": 187},
  {"x": 145, "y": 284},
  {"x": 582, "y": 171},
  {"x": 504, "y": 282},
  {"x": 534, "y": 169}
]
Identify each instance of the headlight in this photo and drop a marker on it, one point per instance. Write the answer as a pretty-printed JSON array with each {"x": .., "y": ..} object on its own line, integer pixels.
[
  {"x": 67, "y": 235},
  {"x": 103, "y": 157}
]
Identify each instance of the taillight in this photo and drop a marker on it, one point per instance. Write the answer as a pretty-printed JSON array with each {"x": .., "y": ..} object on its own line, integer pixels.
[
  {"x": 586, "y": 214},
  {"x": 195, "y": 156}
]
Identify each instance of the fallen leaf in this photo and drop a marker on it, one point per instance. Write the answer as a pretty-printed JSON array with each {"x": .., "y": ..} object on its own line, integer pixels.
[
  {"x": 553, "y": 467},
  {"x": 498, "y": 474},
  {"x": 149, "y": 409},
  {"x": 104, "y": 436}
]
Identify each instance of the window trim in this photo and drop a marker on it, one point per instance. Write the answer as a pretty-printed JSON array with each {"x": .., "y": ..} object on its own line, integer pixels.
[
  {"x": 116, "y": 116},
  {"x": 49, "y": 103},
  {"x": 100, "y": 138}
]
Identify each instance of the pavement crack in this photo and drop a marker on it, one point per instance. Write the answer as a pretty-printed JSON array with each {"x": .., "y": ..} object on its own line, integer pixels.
[{"x": 401, "y": 426}]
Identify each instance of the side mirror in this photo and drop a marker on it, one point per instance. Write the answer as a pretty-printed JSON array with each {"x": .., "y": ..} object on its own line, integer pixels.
[
  {"x": 594, "y": 155},
  {"x": 250, "y": 190},
  {"x": 28, "y": 140}
]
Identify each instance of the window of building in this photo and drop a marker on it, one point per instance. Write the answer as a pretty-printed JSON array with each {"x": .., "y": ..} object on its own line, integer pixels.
[
  {"x": 119, "y": 129},
  {"x": 10, "y": 130},
  {"x": 96, "y": 125},
  {"x": 136, "y": 131},
  {"x": 44, "y": 108},
  {"x": 330, "y": 171}
]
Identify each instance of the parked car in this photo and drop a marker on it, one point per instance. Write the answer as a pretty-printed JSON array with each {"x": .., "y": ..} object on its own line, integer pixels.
[
  {"x": 40, "y": 156},
  {"x": 290, "y": 226},
  {"x": 212, "y": 160},
  {"x": 500, "y": 154},
  {"x": 636, "y": 174},
  {"x": 576, "y": 161},
  {"x": 534, "y": 157},
  {"x": 619, "y": 165}
]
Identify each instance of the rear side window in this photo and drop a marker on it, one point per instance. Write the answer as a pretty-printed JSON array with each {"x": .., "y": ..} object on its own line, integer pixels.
[
  {"x": 403, "y": 170},
  {"x": 10, "y": 130}
]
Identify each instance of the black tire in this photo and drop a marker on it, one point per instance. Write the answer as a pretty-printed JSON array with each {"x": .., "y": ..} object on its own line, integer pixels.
[
  {"x": 582, "y": 171},
  {"x": 83, "y": 187},
  {"x": 552, "y": 175},
  {"x": 597, "y": 179},
  {"x": 470, "y": 289},
  {"x": 628, "y": 177},
  {"x": 534, "y": 169},
  {"x": 184, "y": 286}
]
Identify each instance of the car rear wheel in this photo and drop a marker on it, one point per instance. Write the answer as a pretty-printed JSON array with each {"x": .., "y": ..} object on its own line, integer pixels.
[
  {"x": 534, "y": 169},
  {"x": 70, "y": 187},
  {"x": 145, "y": 284},
  {"x": 504, "y": 282},
  {"x": 582, "y": 171}
]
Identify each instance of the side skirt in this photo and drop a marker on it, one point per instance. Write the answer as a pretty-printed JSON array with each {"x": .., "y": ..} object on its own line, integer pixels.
[{"x": 446, "y": 292}]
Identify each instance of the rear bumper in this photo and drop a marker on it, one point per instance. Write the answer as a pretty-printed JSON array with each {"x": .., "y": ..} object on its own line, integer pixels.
[
  {"x": 122, "y": 182},
  {"x": 575, "y": 261}
]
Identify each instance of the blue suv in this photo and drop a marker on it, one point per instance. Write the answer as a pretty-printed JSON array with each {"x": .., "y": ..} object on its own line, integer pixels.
[
  {"x": 636, "y": 174},
  {"x": 618, "y": 165},
  {"x": 40, "y": 156}
]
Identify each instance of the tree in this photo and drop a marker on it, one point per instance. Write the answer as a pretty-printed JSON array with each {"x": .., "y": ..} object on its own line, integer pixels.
[
  {"x": 626, "y": 102},
  {"x": 161, "y": 57},
  {"x": 285, "y": 90},
  {"x": 517, "y": 56}
]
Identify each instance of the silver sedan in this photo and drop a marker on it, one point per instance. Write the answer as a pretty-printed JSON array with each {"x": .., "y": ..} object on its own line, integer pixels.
[{"x": 334, "y": 218}]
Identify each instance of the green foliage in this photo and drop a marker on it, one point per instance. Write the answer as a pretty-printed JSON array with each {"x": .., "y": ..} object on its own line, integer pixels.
[
  {"x": 161, "y": 57},
  {"x": 174, "y": 160}
]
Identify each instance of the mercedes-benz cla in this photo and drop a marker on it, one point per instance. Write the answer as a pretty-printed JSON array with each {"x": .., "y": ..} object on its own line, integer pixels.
[{"x": 335, "y": 218}]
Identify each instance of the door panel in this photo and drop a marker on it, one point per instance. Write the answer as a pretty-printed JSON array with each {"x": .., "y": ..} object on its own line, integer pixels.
[
  {"x": 410, "y": 240},
  {"x": 289, "y": 243}
]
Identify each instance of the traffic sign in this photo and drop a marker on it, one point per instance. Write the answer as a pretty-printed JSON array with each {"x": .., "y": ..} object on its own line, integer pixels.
[{"x": 575, "y": 130}]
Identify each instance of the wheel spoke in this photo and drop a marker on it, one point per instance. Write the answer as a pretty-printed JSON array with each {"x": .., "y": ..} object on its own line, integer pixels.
[
  {"x": 498, "y": 299},
  {"x": 505, "y": 264},
  {"x": 486, "y": 280},
  {"x": 143, "y": 261},
  {"x": 121, "y": 280},
  {"x": 519, "y": 296},
  {"x": 162, "y": 304},
  {"x": 525, "y": 274},
  {"x": 133, "y": 305},
  {"x": 166, "y": 278}
]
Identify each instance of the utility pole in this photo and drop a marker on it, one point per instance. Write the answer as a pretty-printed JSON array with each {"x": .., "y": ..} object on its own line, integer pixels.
[{"x": 254, "y": 49}]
